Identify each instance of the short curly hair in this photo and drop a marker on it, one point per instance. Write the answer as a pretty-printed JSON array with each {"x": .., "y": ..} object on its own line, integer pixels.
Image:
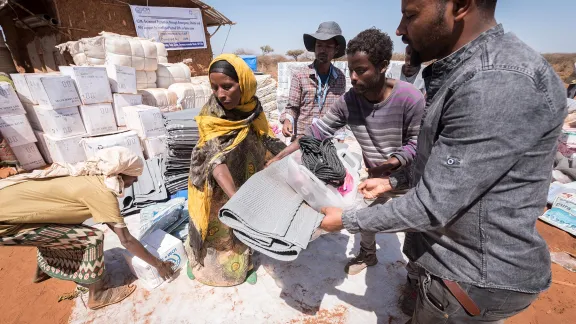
[{"x": 373, "y": 42}]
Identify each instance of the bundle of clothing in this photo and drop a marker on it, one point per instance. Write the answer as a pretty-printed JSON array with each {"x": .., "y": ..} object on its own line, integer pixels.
[
  {"x": 267, "y": 215},
  {"x": 321, "y": 158},
  {"x": 150, "y": 189},
  {"x": 182, "y": 137}
]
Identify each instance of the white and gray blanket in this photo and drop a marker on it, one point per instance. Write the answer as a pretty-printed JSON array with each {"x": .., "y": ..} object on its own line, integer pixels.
[{"x": 267, "y": 215}]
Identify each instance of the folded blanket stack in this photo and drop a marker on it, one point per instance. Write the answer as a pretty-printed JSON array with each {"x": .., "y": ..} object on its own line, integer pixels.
[
  {"x": 182, "y": 137},
  {"x": 148, "y": 190},
  {"x": 269, "y": 216}
]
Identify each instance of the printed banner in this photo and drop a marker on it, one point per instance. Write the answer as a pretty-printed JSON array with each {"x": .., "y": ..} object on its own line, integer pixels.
[{"x": 177, "y": 28}]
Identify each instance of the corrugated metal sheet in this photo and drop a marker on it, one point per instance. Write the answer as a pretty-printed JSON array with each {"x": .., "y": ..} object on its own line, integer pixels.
[{"x": 213, "y": 16}]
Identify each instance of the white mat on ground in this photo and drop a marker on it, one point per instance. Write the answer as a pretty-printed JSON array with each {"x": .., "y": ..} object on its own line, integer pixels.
[{"x": 311, "y": 289}]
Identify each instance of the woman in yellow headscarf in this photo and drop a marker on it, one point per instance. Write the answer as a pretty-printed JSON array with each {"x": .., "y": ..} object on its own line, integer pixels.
[{"x": 234, "y": 141}]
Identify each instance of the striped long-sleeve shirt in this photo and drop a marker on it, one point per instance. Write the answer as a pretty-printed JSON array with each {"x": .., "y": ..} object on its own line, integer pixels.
[{"x": 383, "y": 130}]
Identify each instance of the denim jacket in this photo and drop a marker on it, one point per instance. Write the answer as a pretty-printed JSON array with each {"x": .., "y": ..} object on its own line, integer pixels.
[{"x": 479, "y": 181}]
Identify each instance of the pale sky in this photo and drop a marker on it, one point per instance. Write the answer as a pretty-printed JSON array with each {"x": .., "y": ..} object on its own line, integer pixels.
[{"x": 548, "y": 26}]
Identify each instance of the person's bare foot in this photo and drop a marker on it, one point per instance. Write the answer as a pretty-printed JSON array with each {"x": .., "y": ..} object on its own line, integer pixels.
[{"x": 99, "y": 298}]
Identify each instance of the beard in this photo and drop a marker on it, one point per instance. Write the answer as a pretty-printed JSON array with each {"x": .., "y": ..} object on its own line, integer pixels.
[{"x": 415, "y": 59}]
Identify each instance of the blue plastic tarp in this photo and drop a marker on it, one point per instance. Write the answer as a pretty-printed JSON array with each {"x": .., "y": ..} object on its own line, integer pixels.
[{"x": 251, "y": 60}]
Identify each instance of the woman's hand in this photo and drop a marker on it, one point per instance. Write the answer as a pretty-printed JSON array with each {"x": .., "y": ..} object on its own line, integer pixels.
[
  {"x": 293, "y": 147},
  {"x": 137, "y": 249},
  {"x": 164, "y": 269},
  {"x": 374, "y": 188}
]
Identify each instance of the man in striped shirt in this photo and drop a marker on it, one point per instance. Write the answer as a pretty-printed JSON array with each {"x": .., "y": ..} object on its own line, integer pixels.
[{"x": 384, "y": 115}]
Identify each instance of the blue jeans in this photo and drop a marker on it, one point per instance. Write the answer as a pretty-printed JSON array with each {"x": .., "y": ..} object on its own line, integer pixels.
[{"x": 435, "y": 303}]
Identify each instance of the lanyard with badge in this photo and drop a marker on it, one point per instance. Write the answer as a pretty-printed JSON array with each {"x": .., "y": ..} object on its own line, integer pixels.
[{"x": 322, "y": 90}]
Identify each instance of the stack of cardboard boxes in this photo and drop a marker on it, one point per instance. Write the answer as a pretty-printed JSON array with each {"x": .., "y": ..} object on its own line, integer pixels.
[
  {"x": 16, "y": 129},
  {"x": 148, "y": 123},
  {"x": 67, "y": 117},
  {"x": 122, "y": 82}
]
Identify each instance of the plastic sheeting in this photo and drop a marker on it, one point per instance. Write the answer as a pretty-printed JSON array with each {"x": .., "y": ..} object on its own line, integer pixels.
[
  {"x": 148, "y": 190},
  {"x": 182, "y": 137},
  {"x": 165, "y": 216}
]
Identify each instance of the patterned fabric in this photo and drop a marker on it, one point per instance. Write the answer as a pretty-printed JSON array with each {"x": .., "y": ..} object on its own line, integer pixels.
[
  {"x": 215, "y": 152},
  {"x": 221, "y": 132},
  {"x": 220, "y": 259},
  {"x": 67, "y": 252},
  {"x": 302, "y": 105}
]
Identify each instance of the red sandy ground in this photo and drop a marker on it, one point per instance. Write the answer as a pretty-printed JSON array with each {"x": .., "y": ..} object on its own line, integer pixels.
[{"x": 25, "y": 302}]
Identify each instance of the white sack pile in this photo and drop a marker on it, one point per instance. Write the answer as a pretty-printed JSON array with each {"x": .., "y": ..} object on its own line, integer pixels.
[
  {"x": 110, "y": 48},
  {"x": 168, "y": 74},
  {"x": 164, "y": 99},
  {"x": 191, "y": 95}
]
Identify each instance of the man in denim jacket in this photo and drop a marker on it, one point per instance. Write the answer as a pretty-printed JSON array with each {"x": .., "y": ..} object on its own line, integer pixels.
[{"x": 479, "y": 181}]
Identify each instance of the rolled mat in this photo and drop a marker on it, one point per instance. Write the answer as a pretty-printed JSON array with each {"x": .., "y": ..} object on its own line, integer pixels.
[{"x": 267, "y": 215}]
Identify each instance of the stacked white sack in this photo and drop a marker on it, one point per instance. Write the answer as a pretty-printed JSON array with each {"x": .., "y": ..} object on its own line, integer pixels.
[
  {"x": 164, "y": 99},
  {"x": 191, "y": 95},
  {"x": 168, "y": 74}
]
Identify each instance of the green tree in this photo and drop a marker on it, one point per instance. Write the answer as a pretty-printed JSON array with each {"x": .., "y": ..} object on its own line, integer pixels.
[
  {"x": 294, "y": 54},
  {"x": 266, "y": 49}
]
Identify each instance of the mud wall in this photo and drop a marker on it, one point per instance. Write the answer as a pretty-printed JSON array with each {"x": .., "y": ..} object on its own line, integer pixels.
[{"x": 33, "y": 50}]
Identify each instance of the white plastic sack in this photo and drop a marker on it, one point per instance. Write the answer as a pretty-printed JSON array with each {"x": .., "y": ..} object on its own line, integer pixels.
[
  {"x": 168, "y": 74},
  {"x": 164, "y": 99},
  {"x": 164, "y": 216},
  {"x": 162, "y": 53},
  {"x": 265, "y": 91},
  {"x": 86, "y": 51},
  {"x": 138, "y": 53},
  {"x": 145, "y": 80},
  {"x": 271, "y": 98},
  {"x": 191, "y": 95}
]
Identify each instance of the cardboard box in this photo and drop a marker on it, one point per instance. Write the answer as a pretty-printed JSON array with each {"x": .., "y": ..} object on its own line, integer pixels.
[
  {"x": 60, "y": 123},
  {"x": 145, "y": 120},
  {"x": 16, "y": 130},
  {"x": 54, "y": 91},
  {"x": 163, "y": 246},
  {"x": 128, "y": 140},
  {"x": 66, "y": 150},
  {"x": 29, "y": 156},
  {"x": 22, "y": 88},
  {"x": 98, "y": 119},
  {"x": 43, "y": 146},
  {"x": 9, "y": 103},
  {"x": 122, "y": 100},
  {"x": 155, "y": 146},
  {"x": 92, "y": 82},
  {"x": 32, "y": 116},
  {"x": 122, "y": 78}
]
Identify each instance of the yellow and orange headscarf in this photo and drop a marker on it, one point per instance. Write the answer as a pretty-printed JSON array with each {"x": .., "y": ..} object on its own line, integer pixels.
[{"x": 210, "y": 128}]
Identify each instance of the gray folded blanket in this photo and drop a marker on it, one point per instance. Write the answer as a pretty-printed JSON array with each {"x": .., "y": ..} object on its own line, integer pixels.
[{"x": 267, "y": 215}]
